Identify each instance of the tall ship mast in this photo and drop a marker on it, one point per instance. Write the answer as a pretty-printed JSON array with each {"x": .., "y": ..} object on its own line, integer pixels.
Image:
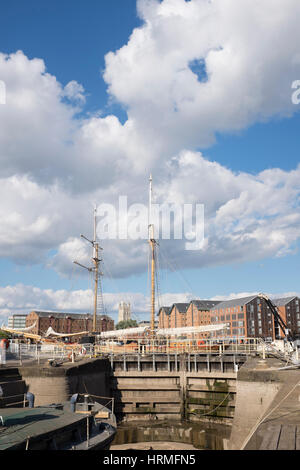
[
  {"x": 98, "y": 296},
  {"x": 152, "y": 244}
]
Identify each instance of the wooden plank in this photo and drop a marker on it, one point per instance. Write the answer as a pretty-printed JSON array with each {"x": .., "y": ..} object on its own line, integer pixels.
[
  {"x": 146, "y": 387},
  {"x": 271, "y": 438},
  {"x": 287, "y": 440},
  {"x": 102, "y": 414}
]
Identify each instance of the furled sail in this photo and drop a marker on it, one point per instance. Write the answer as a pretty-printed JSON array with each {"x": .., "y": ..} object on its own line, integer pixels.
[
  {"x": 191, "y": 329},
  {"x": 121, "y": 333},
  {"x": 18, "y": 330},
  {"x": 163, "y": 332},
  {"x": 51, "y": 332}
]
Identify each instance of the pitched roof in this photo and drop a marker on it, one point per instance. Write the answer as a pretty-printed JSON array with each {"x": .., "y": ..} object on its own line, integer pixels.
[
  {"x": 283, "y": 300},
  {"x": 234, "y": 302},
  {"x": 78, "y": 316},
  {"x": 166, "y": 309},
  {"x": 181, "y": 307},
  {"x": 205, "y": 304}
]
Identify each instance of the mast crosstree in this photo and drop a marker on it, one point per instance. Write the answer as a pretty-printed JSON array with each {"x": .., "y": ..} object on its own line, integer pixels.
[{"x": 98, "y": 293}]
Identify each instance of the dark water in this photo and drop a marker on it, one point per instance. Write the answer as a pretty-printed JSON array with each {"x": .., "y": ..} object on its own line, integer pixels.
[{"x": 202, "y": 436}]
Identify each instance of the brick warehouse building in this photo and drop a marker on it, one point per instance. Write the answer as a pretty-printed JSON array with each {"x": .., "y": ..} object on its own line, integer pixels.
[
  {"x": 247, "y": 317},
  {"x": 67, "y": 322},
  {"x": 164, "y": 317},
  {"x": 251, "y": 317},
  {"x": 289, "y": 311},
  {"x": 198, "y": 312},
  {"x": 195, "y": 313},
  {"x": 178, "y": 315}
]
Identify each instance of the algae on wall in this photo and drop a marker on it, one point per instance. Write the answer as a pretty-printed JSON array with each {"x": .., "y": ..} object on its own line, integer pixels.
[{"x": 216, "y": 402}]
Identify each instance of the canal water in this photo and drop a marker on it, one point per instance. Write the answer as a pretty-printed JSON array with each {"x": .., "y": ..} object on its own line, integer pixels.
[{"x": 171, "y": 435}]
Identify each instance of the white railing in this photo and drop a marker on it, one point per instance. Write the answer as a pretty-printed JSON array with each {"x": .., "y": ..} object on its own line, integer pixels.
[
  {"x": 63, "y": 353},
  {"x": 180, "y": 346}
]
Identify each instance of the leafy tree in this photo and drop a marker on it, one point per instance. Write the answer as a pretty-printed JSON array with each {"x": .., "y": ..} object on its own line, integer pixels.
[
  {"x": 122, "y": 325},
  {"x": 4, "y": 334}
]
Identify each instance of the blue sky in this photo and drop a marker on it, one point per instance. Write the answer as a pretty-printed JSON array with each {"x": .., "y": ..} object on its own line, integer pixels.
[{"x": 72, "y": 38}]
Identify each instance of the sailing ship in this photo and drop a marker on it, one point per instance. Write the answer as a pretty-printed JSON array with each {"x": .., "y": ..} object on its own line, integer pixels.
[
  {"x": 51, "y": 335},
  {"x": 149, "y": 332}
]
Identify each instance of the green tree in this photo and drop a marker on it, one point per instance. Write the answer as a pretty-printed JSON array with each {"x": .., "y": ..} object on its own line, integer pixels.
[
  {"x": 4, "y": 334},
  {"x": 122, "y": 325}
]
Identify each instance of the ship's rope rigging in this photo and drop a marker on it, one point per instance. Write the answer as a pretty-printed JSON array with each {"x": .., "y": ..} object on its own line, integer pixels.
[
  {"x": 173, "y": 267},
  {"x": 125, "y": 296}
]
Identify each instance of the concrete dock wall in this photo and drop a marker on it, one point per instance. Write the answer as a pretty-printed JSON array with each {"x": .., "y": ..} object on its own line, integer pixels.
[
  {"x": 164, "y": 387},
  {"x": 193, "y": 388},
  {"x": 252, "y": 401},
  {"x": 275, "y": 423},
  {"x": 58, "y": 384},
  {"x": 237, "y": 391}
]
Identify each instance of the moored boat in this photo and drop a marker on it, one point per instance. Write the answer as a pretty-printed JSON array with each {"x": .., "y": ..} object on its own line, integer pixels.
[{"x": 81, "y": 424}]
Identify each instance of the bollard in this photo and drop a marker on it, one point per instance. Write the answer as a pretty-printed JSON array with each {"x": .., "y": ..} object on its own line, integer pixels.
[
  {"x": 87, "y": 432},
  {"x": 20, "y": 354},
  {"x": 30, "y": 398},
  {"x": 3, "y": 356},
  {"x": 73, "y": 402},
  {"x": 112, "y": 406}
]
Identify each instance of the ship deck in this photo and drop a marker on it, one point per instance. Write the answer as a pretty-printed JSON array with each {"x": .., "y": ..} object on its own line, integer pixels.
[{"x": 20, "y": 425}]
